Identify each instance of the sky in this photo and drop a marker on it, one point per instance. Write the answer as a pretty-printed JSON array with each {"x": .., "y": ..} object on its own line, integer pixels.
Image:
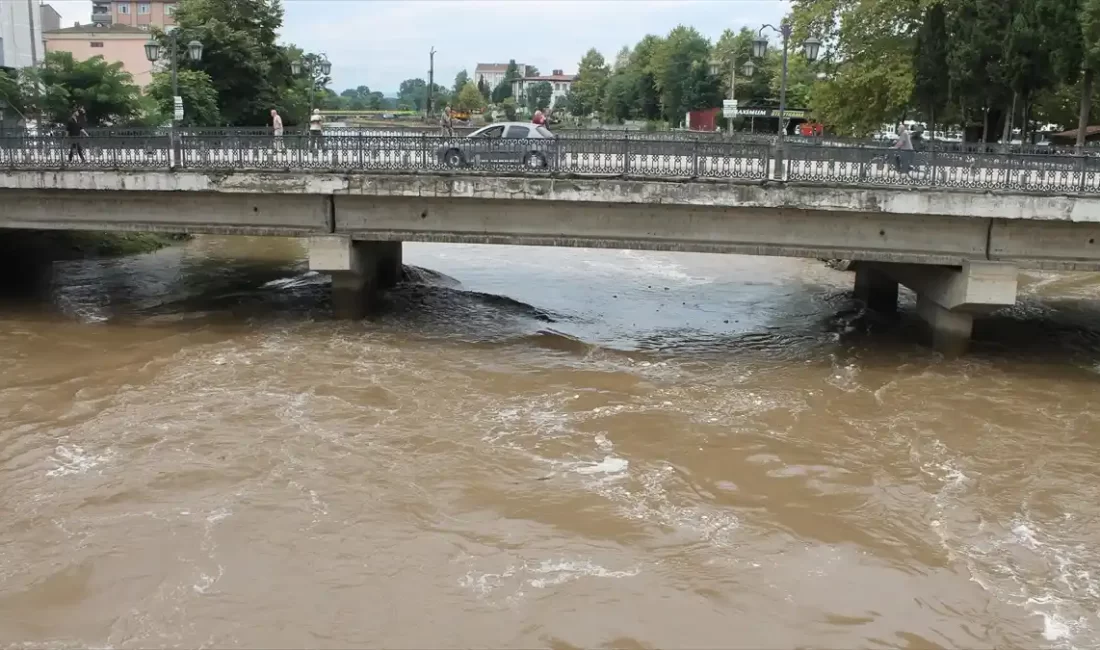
[{"x": 379, "y": 43}]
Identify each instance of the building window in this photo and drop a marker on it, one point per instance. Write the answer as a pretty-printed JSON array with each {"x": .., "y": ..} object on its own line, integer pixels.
[
  {"x": 124, "y": 8},
  {"x": 169, "y": 10},
  {"x": 96, "y": 43},
  {"x": 144, "y": 8}
]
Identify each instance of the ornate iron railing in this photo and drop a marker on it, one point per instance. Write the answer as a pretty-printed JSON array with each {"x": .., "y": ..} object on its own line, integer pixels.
[{"x": 651, "y": 157}]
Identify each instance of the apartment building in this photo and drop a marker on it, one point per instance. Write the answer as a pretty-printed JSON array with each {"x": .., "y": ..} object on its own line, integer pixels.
[
  {"x": 141, "y": 14},
  {"x": 115, "y": 43},
  {"x": 493, "y": 73},
  {"x": 560, "y": 83},
  {"x": 20, "y": 34}
]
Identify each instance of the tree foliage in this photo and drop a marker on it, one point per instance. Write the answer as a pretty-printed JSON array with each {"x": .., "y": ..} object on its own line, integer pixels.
[
  {"x": 461, "y": 79},
  {"x": 680, "y": 68},
  {"x": 200, "y": 98},
  {"x": 249, "y": 71},
  {"x": 504, "y": 88},
  {"x": 539, "y": 95},
  {"x": 105, "y": 90},
  {"x": 469, "y": 98},
  {"x": 588, "y": 88}
]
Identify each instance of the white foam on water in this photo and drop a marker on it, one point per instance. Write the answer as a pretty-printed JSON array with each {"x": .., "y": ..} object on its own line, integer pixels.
[
  {"x": 541, "y": 574},
  {"x": 206, "y": 581},
  {"x": 1017, "y": 563},
  {"x": 609, "y": 465},
  {"x": 70, "y": 460},
  {"x": 307, "y": 278}
]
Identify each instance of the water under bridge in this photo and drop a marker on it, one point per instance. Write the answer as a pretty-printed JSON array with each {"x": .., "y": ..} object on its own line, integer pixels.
[{"x": 955, "y": 227}]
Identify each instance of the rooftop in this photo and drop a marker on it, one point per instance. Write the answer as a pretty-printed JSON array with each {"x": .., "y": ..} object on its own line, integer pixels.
[{"x": 99, "y": 29}]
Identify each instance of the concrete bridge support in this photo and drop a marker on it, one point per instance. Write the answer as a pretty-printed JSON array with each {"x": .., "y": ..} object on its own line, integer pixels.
[
  {"x": 360, "y": 270},
  {"x": 948, "y": 298}
]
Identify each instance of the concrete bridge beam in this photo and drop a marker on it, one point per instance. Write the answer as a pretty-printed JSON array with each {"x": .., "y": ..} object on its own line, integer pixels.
[
  {"x": 361, "y": 271},
  {"x": 948, "y": 298}
]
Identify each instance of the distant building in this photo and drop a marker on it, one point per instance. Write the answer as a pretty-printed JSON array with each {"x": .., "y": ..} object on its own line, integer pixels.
[
  {"x": 142, "y": 14},
  {"x": 493, "y": 73},
  {"x": 115, "y": 43},
  {"x": 560, "y": 84},
  {"x": 51, "y": 20},
  {"x": 20, "y": 34}
]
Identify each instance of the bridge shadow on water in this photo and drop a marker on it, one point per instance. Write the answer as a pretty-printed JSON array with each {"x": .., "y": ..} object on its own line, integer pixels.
[{"x": 802, "y": 322}]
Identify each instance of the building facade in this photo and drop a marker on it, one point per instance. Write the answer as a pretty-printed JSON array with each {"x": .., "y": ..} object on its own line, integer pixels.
[
  {"x": 115, "y": 43},
  {"x": 560, "y": 84},
  {"x": 493, "y": 73},
  {"x": 20, "y": 34},
  {"x": 142, "y": 14}
]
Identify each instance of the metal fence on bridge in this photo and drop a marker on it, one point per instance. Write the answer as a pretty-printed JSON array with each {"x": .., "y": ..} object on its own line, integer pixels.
[{"x": 651, "y": 157}]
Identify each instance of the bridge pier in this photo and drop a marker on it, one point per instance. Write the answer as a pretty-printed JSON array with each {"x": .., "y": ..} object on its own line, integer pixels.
[
  {"x": 876, "y": 289},
  {"x": 948, "y": 298},
  {"x": 360, "y": 270}
]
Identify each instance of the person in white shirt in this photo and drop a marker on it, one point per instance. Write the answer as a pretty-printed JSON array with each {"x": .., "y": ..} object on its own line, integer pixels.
[
  {"x": 315, "y": 134},
  {"x": 905, "y": 147},
  {"x": 277, "y": 129}
]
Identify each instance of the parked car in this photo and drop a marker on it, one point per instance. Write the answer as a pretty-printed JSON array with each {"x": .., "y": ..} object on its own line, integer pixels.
[{"x": 503, "y": 143}]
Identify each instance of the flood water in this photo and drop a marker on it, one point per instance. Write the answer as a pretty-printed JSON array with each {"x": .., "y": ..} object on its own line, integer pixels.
[{"x": 538, "y": 448}]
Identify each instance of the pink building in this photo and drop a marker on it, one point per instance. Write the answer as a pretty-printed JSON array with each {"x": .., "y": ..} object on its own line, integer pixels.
[
  {"x": 135, "y": 13},
  {"x": 120, "y": 43}
]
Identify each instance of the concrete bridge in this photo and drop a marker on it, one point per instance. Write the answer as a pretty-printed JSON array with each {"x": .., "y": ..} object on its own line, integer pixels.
[{"x": 959, "y": 249}]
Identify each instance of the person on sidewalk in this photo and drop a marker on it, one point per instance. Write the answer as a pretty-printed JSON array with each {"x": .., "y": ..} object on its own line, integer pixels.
[
  {"x": 316, "y": 134},
  {"x": 74, "y": 128},
  {"x": 904, "y": 145},
  {"x": 277, "y": 130},
  {"x": 447, "y": 123}
]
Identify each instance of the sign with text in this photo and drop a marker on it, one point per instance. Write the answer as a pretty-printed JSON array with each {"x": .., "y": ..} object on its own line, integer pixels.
[
  {"x": 178, "y": 103},
  {"x": 729, "y": 108}
]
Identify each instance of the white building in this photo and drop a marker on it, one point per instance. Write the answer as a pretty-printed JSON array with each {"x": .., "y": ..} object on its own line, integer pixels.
[
  {"x": 493, "y": 73},
  {"x": 21, "y": 43},
  {"x": 560, "y": 84}
]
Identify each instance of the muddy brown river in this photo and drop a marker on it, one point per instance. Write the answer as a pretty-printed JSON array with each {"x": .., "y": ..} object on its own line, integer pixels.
[{"x": 534, "y": 447}]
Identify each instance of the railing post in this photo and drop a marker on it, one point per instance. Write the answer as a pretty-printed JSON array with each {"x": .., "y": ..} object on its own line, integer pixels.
[
  {"x": 862, "y": 156},
  {"x": 933, "y": 164},
  {"x": 423, "y": 149},
  {"x": 780, "y": 156},
  {"x": 359, "y": 150},
  {"x": 695, "y": 158},
  {"x": 626, "y": 154},
  {"x": 1084, "y": 171}
]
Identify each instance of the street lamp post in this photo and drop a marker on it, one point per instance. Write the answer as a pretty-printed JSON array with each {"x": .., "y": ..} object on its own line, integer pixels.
[
  {"x": 811, "y": 47},
  {"x": 311, "y": 67},
  {"x": 153, "y": 53}
]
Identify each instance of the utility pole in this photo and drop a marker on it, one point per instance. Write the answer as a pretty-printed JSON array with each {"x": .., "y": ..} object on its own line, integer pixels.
[{"x": 431, "y": 81}]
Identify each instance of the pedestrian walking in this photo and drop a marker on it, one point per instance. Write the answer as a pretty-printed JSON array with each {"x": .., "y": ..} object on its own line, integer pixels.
[
  {"x": 277, "y": 130},
  {"x": 447, "y": 123},
  {"x": 904, "y": 145},
  {"x": 316, "y": 134},
  {"x": 75, "y": 130}
]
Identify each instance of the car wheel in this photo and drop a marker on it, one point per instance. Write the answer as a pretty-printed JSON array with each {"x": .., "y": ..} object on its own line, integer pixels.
[
  {"x": 535, "y": 160},
  {"x": 454, "y": 158}
]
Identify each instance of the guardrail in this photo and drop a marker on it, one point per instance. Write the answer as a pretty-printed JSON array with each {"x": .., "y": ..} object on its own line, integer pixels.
[{"x": 653, "y": 158}]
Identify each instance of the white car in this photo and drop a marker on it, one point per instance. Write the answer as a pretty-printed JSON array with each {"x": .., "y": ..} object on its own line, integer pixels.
[{"x": 502, "y": 143}]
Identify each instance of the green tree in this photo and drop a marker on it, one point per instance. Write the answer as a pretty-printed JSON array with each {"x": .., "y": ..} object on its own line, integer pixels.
[
  {"x": 461, "y": 79},
  {"x": 413, "y": 93},
  {"x": 509, "y": 106},
  {"x": 1090, "y": 32},
  {"x": 105, "y": 90},
  {"x": 648, "y": 98},
  {"x": 733, "y": 50},
  {"x": 539, "y": 96},
  {"x": 930, "y": 75},
  {"x": 249, "y": 71},
  {"x": 11, "y": 91},
  {"x": 200, "y": 98},
  {"x": 504, "y": 88},
  {"x": 620, "y": 100},
  {"x": 483, "y": 88},
  {"x": 679, "y": 67},
  {"x": 588, "y": 88},
  {"x": 469, "y": 98}
]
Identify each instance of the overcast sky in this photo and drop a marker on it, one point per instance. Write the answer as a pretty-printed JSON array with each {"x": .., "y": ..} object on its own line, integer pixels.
[{"x": 381, "y": 42}]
